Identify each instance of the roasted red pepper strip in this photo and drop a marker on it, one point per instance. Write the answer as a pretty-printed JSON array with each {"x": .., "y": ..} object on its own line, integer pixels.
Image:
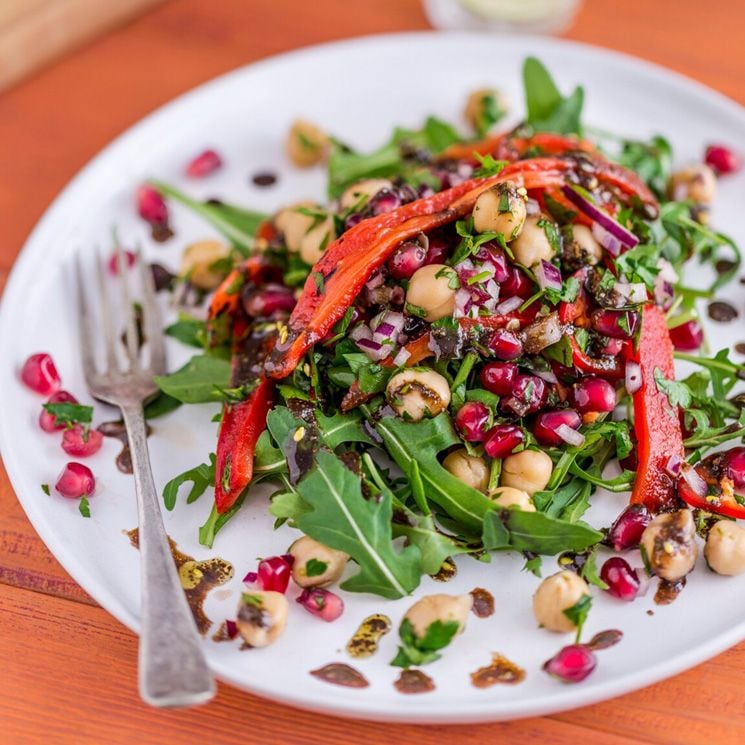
[
  {"x": 722, "y": 501},
  {"x": 656, "y": 423},
  {"x": 606, "y": 367},
  {"x": 241, "y": 425},
  {"x": 350, "y": 260},
  {"x": 505, "y": 147}
]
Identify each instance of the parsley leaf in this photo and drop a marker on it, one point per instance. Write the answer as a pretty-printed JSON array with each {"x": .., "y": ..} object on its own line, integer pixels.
[
  {"x": 415, "y": 650},
  {"x": 315, "y": 567},
  {"x": 69, "y": 414},
  {"x": 84, "y": 507},
  {"x": 45, "y": 489},
  {"x": 577, "y": 614}
]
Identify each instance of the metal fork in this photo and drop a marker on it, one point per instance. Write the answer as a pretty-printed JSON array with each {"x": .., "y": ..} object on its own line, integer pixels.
[{"x": 172, "y": 667}]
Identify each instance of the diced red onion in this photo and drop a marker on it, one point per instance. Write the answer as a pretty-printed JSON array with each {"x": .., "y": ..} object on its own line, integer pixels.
[
  {"x": 507, "y": 306},
  {"x": 673, "y": 465},
  {"x": 600, "y": 218},
  {"x": 360, "y": 331},
  {"x": 633, "y": 377},
  {"x": 376, "y": 280},
  {"x": 401, "y": 357},
  {"x": 606, "y": 239},
  {"x": 463, "y": 302},
  {"x": 492, "y": 288},
  {"x": 692, "y": 477},
  {"x": 570, "y": 436},
  {"x": 548, "y": 375},
  {"x": 373, "y": 349},
  {"x": 548, "y": 276},
  {"x": 633, "y": 293},
  {"x": 385, "y": 328}
]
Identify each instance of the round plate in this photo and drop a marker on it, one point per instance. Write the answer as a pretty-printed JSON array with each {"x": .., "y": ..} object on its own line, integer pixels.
[{"x": 358, "y": 90}]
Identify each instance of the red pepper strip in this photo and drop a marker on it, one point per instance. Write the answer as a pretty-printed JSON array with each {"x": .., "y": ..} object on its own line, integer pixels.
[
  {"x": 722, "y": 503},
  {"x": 227, "y": 297},
  {"x": 578, "y": 311},
  {"x": 656, "y": 423},
  {"x": 350, "y": 260},
  {"x": 505, "y": 147},
  {"x": 611, "y": 368},
  {"x": 242, "y": 423}
]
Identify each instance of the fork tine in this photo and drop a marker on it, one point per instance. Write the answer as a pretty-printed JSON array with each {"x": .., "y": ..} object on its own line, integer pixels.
[
  {"x": 151, "y": 318},
  {"x": 108, "y": 327},
  {"x": 85, "y": 323},
  {"x": 128, "y": 310}
]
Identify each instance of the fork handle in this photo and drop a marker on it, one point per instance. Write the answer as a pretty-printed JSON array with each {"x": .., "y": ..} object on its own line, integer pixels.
[{"x": 173, "y": 670}]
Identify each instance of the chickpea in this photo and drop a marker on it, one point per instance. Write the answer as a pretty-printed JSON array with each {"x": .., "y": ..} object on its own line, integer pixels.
[
  {"x": 416, "y": 393},
  {"x": 588, "y": 248},
  {"x": 529, "y": 470},
  {"x": 261, "y": 617},
  {"x": 532, "y": 245},
  {"x": 294, "y": 224},
  {"x": 326, "y": 564},
  {"x": 359, "y": 194},
  {"x": 443, "y": 608},
  {"x": 506, "y": 496},
  {"x": 698, "y": 183},
  {"x": 483, "y": 107},
  {"x": 669, "y": 543},
  {"x": 470, "y": 469},
  {"x": 306, "y": 145},
  {"x": 317, "y": 240},
  {"x": 501, "y": 210},
  {"x": 200, "y": 264},
  {"x": 554, "y": 595},
  {"x": 725, "y": 548},
  {"x": 430, "y": 289}
]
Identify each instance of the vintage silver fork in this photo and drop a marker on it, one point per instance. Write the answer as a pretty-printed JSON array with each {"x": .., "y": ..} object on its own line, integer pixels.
[{"x": 172, "y": 667}]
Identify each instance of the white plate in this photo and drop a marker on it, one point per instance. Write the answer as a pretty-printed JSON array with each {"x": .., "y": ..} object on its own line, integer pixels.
[{"x": 358, "y": 89}]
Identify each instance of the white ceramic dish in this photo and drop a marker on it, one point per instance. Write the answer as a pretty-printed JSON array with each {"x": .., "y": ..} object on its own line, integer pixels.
[{"x": 358, "y": 89}]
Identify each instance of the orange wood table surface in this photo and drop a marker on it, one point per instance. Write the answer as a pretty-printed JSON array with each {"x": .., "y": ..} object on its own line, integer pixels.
[{"x": 67, "y": 669}]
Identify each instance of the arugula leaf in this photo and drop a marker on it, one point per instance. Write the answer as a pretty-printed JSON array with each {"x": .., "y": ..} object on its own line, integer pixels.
[
  {"x": 341, "y": 428},
  {"x": 237, "y": 224},
  {"x": 568, "y": 502},
  {"x": 217, "y": 521},
  {"x": 69, "y": 414},
  {"x": 201, "y": 477},
  {"x": 678, "y": 393},
  {"x": 536, "y": 532},
  {"x": 415, "y": 650},
  {"x": 188, "y": 330},
  {"x": 548, "y": 110},
  {"x": 577, "y": 614},
  {"x": 533, "y": 565},
  {"x": 419, "y": 443},
  {"x": 198, "y": 381},
  {"x": 590, "y": 571},
  {"x": 268, "y": 460},
  {"x": 84, "y": 507},
  {"x": 434, "y": 546},
  {"x": 341, "y": 518},
  {"x": 160, "y": 405},
  {"x": 490, "y": 112}
]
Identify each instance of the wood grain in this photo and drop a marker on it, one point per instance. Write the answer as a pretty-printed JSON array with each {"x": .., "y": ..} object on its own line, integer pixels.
[{"x": 68, "y": 668}]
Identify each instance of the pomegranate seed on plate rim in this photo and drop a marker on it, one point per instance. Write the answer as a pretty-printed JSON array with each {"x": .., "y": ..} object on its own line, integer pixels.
[
  {"x": 40, "y": 374},
  {"x": 75, "y": 481}
]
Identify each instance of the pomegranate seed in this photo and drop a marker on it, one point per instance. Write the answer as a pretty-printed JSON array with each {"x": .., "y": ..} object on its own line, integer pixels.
[
  {"x": 626, "y": 531},
  {"x": 79, "y": 443},
  {"x": 204, "y": 164},
  {"x": 594, "y": 394},
  {"x": 688, "y": 337},
  {"x": 502, "y": 440},
  {"x": 40, "y": 374},
  {"x": 546, "y": 424},
  {"x": 113, "y": 263},
  {"x": 733, "y": 466},
  {"x": 274, "y": 574},
  {"x": 151, "y": 206},
  {"x": 472, "y": 420},
  {"x": 384, "y": 201},
  {"x": 618, "y": 324},
  {"x": 611, "y": 347},
  {"x": 439, "y": 249},
  {"x": 409, "y": 257},
  {"x": 528, "y": 396},
  {"x": 75, "y": 481},
  {"x": 517, "y": 283},
  {"x": 623, "y": 581},
  {"x": 271, "y": 299},
  {"x": 322, "y": 603},
  {"x": 46, "y": 420},
  {"x": 505, "y": 345},
  {"x": 499, "y": 377},
  {"x": 722, "y": 160},
  {"x": 631, "y": 461},
  {"x": 572, "y": 663}
]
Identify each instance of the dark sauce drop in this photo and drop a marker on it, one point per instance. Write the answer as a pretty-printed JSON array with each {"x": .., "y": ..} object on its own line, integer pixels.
[
  {"x": 605, "y": 639},
  {"x": 341, "y": 674},
  {"x": 740, "y": 347},
  {"x": 197, "y": 577},
  {"x": 483, "y": 602},
  {"x": 364, "y": 643},
  {"x": 668, "y": 591},
  {"x": 501, "y": 670},
  {"x": 161, "y": 232},
  {"x": 722, "y": 311},
  {"x": 573, "y": 561},
  {"x": 162, "y": 278},
  {"x": 724, "y": 265},
  {"x": 119, "y": 432},
  {"x": 264, "y": 178},
  {"x": 414, "y": 681},
  {"x": 447, "y": 571},
  {"x": 226, "y": 632}
]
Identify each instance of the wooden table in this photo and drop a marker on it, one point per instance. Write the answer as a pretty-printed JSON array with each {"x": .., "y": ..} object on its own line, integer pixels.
[{"x": 68, "y": 671}]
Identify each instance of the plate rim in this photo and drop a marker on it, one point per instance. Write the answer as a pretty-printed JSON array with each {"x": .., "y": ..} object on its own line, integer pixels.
[{"x": 482, "y": 711}]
